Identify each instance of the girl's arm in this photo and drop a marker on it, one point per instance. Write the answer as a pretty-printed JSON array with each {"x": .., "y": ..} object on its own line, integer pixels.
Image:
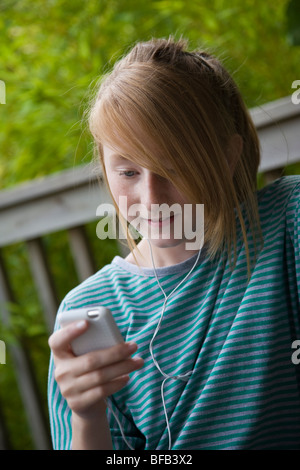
[
  {"x": 86, "y": 435},
  {"x": 85, "y": 382}
]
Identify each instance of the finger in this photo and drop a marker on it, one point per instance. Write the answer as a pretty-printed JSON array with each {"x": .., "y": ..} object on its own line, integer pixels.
[
  {"x": 105, "y": 357},
  {"x": 60, "y": 340},
  {"x": 108, "y": 374},
  {"x": 81, "y": 402}
]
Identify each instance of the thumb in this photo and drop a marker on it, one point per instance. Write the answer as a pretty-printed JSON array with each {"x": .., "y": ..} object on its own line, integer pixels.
[{"x": 60, "y": 340}]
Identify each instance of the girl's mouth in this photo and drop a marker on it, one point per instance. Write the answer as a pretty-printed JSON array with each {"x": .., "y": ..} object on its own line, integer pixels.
[{"x": 161, "y": 221}]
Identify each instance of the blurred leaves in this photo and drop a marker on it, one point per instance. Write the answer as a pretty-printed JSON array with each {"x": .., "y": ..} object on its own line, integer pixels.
[
  {"x": 53, "y": 52},
  {"x": 293, "y": 22}
]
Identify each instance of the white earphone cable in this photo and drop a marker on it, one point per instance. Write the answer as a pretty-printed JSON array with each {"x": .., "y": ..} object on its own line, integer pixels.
[
  {"x": 183, "y": 377},
  {"x": 109, "y": 405}
]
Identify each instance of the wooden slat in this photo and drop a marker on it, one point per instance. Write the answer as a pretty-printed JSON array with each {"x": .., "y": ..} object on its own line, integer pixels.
[
  {"x": 5, "y": 443},
  {"x": 280, "y": 145},
  {"x": 68, "y": 207},
  {"x": 81, "y": 252},
  {"x": 278, "y": 127},
  {"x": 51, "y": 185},
  {"x": 275, "y": 111},
  {"x": 24, "y": 374},
  {"x": 43, "y": 281}
]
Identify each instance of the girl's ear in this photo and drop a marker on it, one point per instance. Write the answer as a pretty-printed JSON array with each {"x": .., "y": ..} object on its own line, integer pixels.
[{"x": 234, "y": 151}]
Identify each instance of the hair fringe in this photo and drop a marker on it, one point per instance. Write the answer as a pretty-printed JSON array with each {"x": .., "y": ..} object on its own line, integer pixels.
[{"x": 155, "y": 83}]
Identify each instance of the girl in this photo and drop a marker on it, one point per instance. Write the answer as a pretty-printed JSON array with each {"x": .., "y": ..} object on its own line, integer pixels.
[{"x": 214, "y": 323}]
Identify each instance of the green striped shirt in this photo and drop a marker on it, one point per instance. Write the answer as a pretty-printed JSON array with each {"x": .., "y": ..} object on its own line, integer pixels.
[{"x": 234, "y": 336}]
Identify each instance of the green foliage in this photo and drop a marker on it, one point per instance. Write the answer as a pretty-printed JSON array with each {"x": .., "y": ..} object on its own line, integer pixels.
[
  {"x": 27, "y": 327},
  {"x": 293, "y": 22},
  {"x": 53, "y": 52}
]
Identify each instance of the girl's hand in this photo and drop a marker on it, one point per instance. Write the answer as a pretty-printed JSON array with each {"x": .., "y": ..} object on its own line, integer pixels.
[{"x": 85, "y": 381}]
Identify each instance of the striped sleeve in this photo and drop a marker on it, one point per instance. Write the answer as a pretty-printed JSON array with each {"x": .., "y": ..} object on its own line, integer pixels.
[
  {"x": 60, "y": 416},
  {"x": 293, "y": 226},
  {"x": 59, "y": 412}
]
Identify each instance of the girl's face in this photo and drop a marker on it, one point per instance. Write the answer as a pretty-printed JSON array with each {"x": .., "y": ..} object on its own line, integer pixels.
[{"x": 149, "y": 202}]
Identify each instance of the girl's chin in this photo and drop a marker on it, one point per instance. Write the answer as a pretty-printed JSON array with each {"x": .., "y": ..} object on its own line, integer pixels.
[{"x": 165, "y": 243}]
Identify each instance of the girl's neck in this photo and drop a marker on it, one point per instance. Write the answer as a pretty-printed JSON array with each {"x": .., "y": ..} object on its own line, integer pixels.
[{"x": 163, "y": 256}]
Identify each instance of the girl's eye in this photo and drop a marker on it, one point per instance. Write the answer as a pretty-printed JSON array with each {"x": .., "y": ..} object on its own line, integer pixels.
[{"x": 128, "y": 173}]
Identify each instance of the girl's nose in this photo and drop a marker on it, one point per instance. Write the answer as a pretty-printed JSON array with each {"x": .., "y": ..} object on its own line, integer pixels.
[{"x": 154, "y": 190}]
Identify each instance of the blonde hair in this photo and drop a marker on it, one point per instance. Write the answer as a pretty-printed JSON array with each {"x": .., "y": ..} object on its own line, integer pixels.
[{"x": 189, "y": 107}]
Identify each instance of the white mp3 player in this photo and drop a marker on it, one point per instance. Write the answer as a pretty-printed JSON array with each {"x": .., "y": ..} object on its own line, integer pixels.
[{"x": 102, "y": 331}]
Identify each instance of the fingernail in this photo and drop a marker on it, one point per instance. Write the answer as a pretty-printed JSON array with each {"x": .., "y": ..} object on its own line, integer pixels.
[
  {"x": 126, "y": 377},
  {"x": 132, "y": 347},
  {"x": 138, "y": 359},
  {"x": 80, "y": 324}
]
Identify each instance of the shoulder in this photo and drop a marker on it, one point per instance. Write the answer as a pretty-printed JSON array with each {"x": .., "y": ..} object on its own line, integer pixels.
[
  {"x": 280, "y": 195},
  {"x": 283, "y": 187},
  {"x": 279, "y": 205},
  {"x": 93, "y": 289}
]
